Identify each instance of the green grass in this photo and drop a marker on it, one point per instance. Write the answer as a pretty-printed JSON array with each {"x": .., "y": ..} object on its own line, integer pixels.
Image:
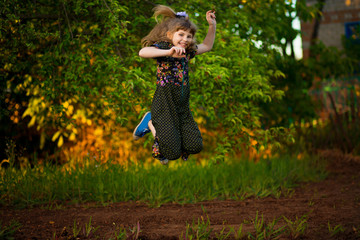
[
  {"x": 261, "y": 230},
  {"x": 7, "y": 232},
  {"x": 182, "y": 182}
]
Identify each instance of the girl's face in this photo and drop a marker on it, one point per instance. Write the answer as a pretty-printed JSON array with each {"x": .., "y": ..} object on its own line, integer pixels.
[{"x": 181, "y": 38}]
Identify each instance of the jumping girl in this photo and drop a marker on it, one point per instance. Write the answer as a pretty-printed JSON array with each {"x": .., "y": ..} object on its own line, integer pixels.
[{"x": 172, "y": 44}]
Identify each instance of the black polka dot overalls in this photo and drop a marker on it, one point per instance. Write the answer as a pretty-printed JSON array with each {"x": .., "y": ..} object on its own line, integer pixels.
[{"x": 177, "y": 134}]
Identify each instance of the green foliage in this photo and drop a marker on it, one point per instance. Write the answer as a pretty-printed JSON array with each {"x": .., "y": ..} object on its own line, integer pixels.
[
  {"x": 351, "y": 47},
  {"x": 120, "y": 233},
  {"x": 7, "y": 232},
  {"x": 87, "y": 231},
  {"x": 335, "y": 230},
  {"x": 265, "y": 230},
  {"x": 330, "y": 62},
  {"x": 297, "y": 227},
  {"x": 201, "y": 230},
  {"x": 86, "y": 53},
  {"x": 296, "y": 104}
]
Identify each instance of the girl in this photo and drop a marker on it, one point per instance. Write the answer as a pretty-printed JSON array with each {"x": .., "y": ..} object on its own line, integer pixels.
[{"x": 172, "y": 44}]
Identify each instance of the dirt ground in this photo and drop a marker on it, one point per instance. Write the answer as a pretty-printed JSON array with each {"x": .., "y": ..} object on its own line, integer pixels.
[{"x": 334, "y": 201}]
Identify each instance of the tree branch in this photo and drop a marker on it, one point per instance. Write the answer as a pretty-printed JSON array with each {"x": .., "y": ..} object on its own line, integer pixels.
[
  {"x": 68, "y": 22},
  {"x": 315, "y": 32}
]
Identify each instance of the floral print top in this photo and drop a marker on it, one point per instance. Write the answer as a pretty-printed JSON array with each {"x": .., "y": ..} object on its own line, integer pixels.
[{"x": 172, "y": 70}]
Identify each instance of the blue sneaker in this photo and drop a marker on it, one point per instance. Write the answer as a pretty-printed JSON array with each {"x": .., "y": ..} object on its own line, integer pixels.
[{"x": 142, "y": 128}]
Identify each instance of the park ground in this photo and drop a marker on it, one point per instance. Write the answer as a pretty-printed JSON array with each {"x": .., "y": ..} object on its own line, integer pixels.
[{"x": 331, "y": 208}]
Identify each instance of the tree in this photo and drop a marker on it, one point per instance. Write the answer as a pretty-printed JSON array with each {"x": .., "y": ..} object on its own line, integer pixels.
[{"x": 72, "y": 65}]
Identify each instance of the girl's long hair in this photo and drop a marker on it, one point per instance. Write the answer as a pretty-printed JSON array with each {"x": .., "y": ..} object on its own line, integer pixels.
[{"x": 169, "y": 23}]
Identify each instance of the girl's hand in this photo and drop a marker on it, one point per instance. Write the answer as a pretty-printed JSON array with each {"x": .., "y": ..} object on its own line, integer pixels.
[
  {"x": 177, "y": 52},
  {"x": 210, "y": 17}
]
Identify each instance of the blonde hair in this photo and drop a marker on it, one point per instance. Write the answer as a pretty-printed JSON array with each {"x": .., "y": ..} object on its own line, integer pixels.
[{"x": 170, "y": 23}]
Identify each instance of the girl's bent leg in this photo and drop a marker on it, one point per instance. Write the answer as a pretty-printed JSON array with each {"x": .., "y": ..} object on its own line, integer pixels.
[
  {"x": 152, "y": 128},
  {"x": 156, "y": 152},
  {"x": 192, "y": 141}
]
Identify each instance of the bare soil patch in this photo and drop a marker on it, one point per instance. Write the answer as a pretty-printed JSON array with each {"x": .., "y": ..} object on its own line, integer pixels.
[{"x": 335, "y": 200}]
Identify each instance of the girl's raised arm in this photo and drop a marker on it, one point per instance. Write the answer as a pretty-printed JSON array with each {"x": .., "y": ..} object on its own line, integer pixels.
[
  {"x": 153, "y": 52},
  {"x": 210, "y": 36}
]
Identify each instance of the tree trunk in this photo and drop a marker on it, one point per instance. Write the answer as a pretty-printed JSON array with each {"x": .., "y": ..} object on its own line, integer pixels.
[{"x": 315, "y": 32}]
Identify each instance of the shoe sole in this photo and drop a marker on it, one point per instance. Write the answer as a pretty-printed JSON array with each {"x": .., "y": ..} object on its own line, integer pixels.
[
  {"x": 164, "y": 162},
  {"x": 134, "y": 136}
]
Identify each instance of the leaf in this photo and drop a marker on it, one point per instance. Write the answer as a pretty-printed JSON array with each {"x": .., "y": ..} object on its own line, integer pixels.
[
  {"x": 61, "y": 141},
  {"x": 42, "y": 139},
  {"x": 32, "y": 121},
  {"x": 27, "y": 112},
  {"x": 56, "y": 135},
  {"x": 72, "y": 137}
]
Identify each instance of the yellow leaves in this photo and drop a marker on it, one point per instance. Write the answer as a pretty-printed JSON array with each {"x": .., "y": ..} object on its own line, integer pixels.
[
  {"x": 92, "y": 57},
  {"x": 89, "y": 52},
  {"x": 248, "y": 131},
  {"x": 314, "y": 122},
  {"x": 7, "y": 66},
  {"x": 32, "y": 121},
  {"x": 61, "y": 141},
  {"x": 200, "y": 120},
  {"x": 35, "y": 106},
  {"x": 72, "y": 137},
  {"x": 312, "y": 14},
  {"x": 56, "y": 135},
  {"x": 14, "y": 119},
  {"x": 253, "y": 142},
  {"x": 98, "y": 132},
  {"x": 92, "y": 60},
  {"x": 98, "y": 141},
  {"x": 70, "y": 110},
  {"x": 65, "y": 104},
  {"x": 36, "y": 90},
  {"x": 94, "y": 27},
  {"x": 137, "y": 108},
  {"x": 26, "y": 113},
  {"x": 28, "y": 80}
]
